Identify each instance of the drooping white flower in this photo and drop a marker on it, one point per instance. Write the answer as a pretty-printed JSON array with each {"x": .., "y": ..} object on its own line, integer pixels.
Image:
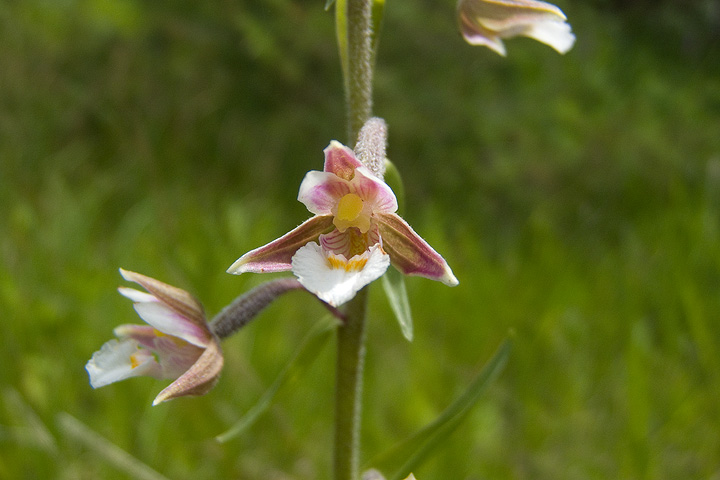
[
  {"x": 487, "y": 22},
  {"x": 176, "y": 343}
]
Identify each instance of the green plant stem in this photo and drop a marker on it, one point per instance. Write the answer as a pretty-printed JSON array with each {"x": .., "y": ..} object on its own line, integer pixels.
[
  {"x": 360, "y": 65},
  {"x": 351, "y": 333},
  {"x": 348, "y": 388}
]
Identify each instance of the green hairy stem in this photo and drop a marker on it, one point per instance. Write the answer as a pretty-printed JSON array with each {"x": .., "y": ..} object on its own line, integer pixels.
[{"x": 351, "y": 333}]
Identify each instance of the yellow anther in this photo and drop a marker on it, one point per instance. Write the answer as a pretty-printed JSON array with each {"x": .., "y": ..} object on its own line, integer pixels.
[
  {"x": 350, "y": 214},
  {"x": 349, "y": 207}
]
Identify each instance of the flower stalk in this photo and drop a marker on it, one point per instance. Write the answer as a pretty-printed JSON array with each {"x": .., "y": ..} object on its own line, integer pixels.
[
  {"x": 351, "y": 333},
  {"x": 246, "y": 307},
  {"x": 348, "y": 388},
  {"x": 358, "y": 86}
]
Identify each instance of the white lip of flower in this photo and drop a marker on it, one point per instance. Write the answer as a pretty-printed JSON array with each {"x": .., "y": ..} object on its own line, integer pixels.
[
  {"x": 487, "y": 22},
  {"x": 355, "y": 216},
  {"x": 334, "y": 278}
]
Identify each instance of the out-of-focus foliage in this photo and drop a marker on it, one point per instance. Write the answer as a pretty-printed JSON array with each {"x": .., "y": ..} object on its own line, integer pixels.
[{"x": 576, "y": 197}]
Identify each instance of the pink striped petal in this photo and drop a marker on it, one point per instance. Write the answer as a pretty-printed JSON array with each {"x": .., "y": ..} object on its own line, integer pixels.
[
  {"x": 374, "y": 191},
  {"x": 351, "y": 241},
  {"x": 320, "y": 192},
  {"x": 176, "y": 299},
  {"x": 409, "y": 253},
  {"x": 337, "y": 242},
  {"x": 340, "y": 160},
  {"x": 277, "y": 255},
  {"x": 198, "y": 379}
]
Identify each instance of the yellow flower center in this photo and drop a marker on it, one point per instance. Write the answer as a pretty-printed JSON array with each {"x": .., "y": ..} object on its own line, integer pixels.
[
  {"x": 349, "y": 207},
  {"x": 349, "y": 214}
]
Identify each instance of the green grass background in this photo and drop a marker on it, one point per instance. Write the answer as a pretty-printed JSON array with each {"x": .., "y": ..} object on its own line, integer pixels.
[{"x": 576, "y": 197}]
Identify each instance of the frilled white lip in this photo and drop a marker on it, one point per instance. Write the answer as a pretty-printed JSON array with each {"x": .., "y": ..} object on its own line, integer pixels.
[
  {"x": 334, "y": 278},
  {"x": 121, "y": 359}
]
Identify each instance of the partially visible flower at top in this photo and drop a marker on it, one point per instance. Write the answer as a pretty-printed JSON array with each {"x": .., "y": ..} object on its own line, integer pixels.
[
  {"x": 177, "y": 342},
  {"x": 487, "y": 22},
  {"x": 353, "y": 237},
  {"x": 375, "y": 475}
]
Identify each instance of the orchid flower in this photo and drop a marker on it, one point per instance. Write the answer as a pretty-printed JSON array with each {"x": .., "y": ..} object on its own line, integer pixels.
[
  {"x": 354, "y": 235},
  {"x": 487, "y": 22},
  {"x": 176, "y": 342}
]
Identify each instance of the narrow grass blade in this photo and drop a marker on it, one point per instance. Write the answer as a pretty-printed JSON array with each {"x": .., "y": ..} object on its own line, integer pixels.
[
  {"x": 410, "y": 453},
  {"x": 394, "y": 284},
  {"x": 341, "y": 30},
  {"x": 119, "y": 458},
  {"x": 378, "y": 12},
  {"x": 31, "y": 431},
  {"x": 308, "y": 351}
]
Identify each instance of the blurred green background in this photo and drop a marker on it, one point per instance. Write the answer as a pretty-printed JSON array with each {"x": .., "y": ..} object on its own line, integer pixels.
[{"x": 576, "y": 197}]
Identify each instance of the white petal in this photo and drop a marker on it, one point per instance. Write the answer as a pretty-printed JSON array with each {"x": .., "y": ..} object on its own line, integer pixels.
[
  {"x": 137, "y": 295},
  {"x": 321, "y": 191},
  {"x": 118, "y": 360},
  {"x": 557, "y": 35},
  {"x": 333, "y": 278},
  {"x": 170, "y": 323}
]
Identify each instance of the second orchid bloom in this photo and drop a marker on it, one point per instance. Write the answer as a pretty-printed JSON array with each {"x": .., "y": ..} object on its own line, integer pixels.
[
  {"x": 488, "y": 22},
  {"x": 352, "y": 238}
]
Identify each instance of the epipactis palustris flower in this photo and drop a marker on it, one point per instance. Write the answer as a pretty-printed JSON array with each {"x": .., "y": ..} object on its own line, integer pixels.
[
  {"x": 353, "y": 237},
  {"x": 487, "y": 22},
  {"x": 176, "y": 342}
]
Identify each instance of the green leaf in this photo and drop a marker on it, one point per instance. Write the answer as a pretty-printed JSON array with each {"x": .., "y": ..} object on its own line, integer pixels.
[
  {"x": 105, "y": 449},
  {"x": 394, "y": 284},
  {"x": 328, "y": 4},
  {"x": 341, "y": 30},
  {"x": 378, "y": 11},
  {"x": 308, "y": 351},
  {"x": 411, "y": 452},
  {"x": 27, "y": 428},
  {"x": 395, "y": 182}
]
